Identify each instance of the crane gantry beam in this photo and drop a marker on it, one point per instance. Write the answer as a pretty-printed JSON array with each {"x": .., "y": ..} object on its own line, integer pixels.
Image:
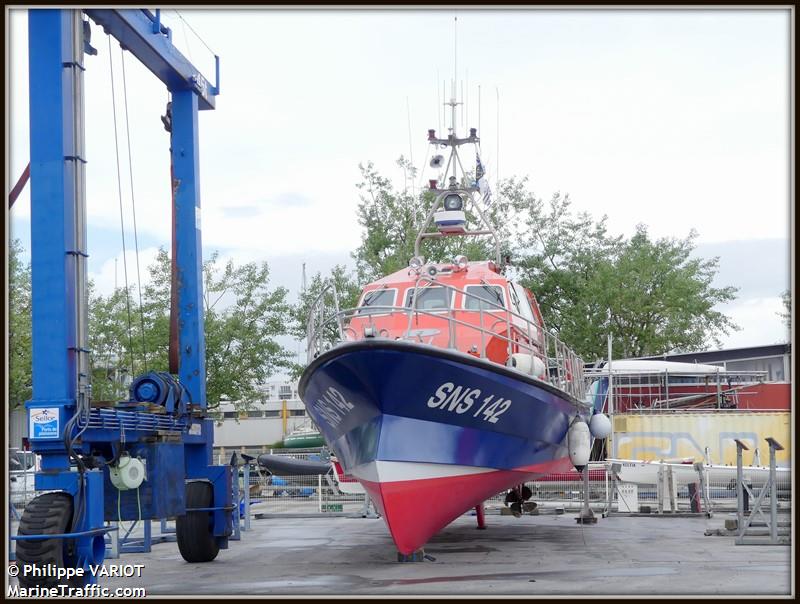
[{"x": 141, "y": 32}]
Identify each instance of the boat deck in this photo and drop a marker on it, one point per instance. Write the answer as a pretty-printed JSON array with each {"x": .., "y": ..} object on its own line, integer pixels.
[{"x": 532, "y": 555}]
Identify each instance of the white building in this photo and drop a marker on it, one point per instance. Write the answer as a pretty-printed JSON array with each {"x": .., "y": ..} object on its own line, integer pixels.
[{"x": 264, "y": 424}]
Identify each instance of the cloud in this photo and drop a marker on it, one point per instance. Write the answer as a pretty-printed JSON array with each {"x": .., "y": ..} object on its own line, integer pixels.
[
  {"x": 291, "y": 199},
  {"x": 759, "y": 322},
  {"x": 112, "y": 271},
  {"x": 261, "y": 207},
  {"x": 758, "y": 267},
  {"x": 241, "y": 211}
]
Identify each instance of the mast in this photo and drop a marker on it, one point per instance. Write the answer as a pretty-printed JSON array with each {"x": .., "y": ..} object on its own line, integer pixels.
[
  {"x": 452, "y": 220},
  {"x": 448, "y": 208}
]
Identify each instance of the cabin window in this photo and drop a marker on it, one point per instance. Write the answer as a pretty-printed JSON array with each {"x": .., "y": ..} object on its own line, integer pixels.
[
  {"x": 255, "y": 414},
  {"x": 297, "y": 412},
  {"x": 272, "y": 413},
  {"x": 484, "y": 297},
  {"x": 230, "y": 414},
  {"x": 429, "y": 298},
  {"x": 376, "y": 298},
  {"x": 514, "y": 300},
  {"x": 520, "y": 301}
]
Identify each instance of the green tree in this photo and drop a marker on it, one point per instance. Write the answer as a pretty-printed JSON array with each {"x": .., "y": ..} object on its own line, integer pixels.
[
  {"x": 110, "y": 360},
  {"x": 560, "y": 257},
  {"x": 319, "y": 295},
  {"x": 661, "y": 299},
  {"x": 241, "y": 349},
  {"x": 19, "y": 327},
  {"x": 243, "y": 317}
]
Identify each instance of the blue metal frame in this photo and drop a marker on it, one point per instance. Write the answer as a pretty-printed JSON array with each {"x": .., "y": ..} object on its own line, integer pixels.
[{"x": 54, "y": 251}]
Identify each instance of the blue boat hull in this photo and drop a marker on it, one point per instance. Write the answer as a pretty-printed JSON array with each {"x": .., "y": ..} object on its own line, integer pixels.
[{"x": 409, "y": 418}]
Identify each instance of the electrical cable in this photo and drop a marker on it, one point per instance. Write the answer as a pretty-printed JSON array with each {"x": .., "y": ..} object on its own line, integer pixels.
[
  {"x": 121, "y": 217},
  {"x": 138, "y": 505},
  {"x": 133, "y": 207},
  {"x": 79, "y": 507},
  {"x": 119, "y": 511}
]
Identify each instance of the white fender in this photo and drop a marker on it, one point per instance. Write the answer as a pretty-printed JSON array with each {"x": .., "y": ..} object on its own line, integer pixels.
[
  {"x": 527, "y": 363},
  {"x": 600, "y": 425},
  {"x": 579, "y": 444}
]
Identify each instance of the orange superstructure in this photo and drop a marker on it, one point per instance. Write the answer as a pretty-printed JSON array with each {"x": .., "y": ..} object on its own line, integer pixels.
[{"x": 465, "y": 308}]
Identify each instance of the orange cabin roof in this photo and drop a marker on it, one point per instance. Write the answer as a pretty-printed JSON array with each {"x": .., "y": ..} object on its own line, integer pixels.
[{"x": 475, "y": 271}]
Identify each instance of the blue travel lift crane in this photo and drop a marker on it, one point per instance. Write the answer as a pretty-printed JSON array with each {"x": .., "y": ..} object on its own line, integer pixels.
[{"x": 93, "y": 459}]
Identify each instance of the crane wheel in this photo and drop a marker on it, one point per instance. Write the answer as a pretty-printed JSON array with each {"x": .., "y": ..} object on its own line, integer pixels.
[
  {"x": 195, "y": 530},
  {"x": 47, "y": 514}
]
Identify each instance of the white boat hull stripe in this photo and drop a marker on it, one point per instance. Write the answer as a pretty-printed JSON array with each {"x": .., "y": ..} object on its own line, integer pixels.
[{"x": 392, "y": 471}]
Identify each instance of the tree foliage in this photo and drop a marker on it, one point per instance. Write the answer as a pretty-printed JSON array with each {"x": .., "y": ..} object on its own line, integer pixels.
[
  {"x": 243, "y": 316},
  {"x": 324, "y": 293},
  {"x": 320, "y": 291},
  {"x": 110, "y": 343},
  {"x": 659, "y": 298},
  {"x": 241, "y": 349},
  {"x": 561, "y": 257},
  {"x": 19, "y": 327}
]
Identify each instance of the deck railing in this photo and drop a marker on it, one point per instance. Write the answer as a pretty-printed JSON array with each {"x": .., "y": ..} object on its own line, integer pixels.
[
  {"x": 665, "y": 390},
  {"x": 329, "y": 325}
]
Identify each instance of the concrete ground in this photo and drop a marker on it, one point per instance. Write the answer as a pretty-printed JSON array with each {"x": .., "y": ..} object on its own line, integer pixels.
[{"x": 532, "y": 555}]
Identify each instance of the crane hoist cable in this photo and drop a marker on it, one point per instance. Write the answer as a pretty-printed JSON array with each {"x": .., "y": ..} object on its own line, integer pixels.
[
  {"x": 121, "y": 213},
  {"x": 133, "y": 206},
  {"x": 186, "y": 38},
  {"x": 203, "y": 42}
]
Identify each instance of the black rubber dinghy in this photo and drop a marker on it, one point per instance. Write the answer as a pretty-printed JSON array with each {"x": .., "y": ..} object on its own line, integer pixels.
[{"x": 280, "y": 465}]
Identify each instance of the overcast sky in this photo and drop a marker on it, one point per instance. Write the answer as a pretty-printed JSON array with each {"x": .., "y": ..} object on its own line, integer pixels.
[{"x": 675, "y": 119}]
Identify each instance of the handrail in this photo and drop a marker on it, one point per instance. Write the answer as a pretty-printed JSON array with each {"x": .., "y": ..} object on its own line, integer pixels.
[{"x": 672, "y": 373}]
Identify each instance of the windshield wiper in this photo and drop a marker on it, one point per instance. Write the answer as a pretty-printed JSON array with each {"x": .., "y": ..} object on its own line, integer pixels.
[{"x": 492, "y": 290}]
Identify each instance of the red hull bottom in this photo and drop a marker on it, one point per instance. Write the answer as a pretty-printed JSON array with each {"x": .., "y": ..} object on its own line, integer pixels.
[{"x": 415, "y": 510}]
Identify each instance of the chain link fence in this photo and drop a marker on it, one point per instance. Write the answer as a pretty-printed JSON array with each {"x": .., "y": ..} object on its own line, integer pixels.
[{"x": 319, "y": 494}]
